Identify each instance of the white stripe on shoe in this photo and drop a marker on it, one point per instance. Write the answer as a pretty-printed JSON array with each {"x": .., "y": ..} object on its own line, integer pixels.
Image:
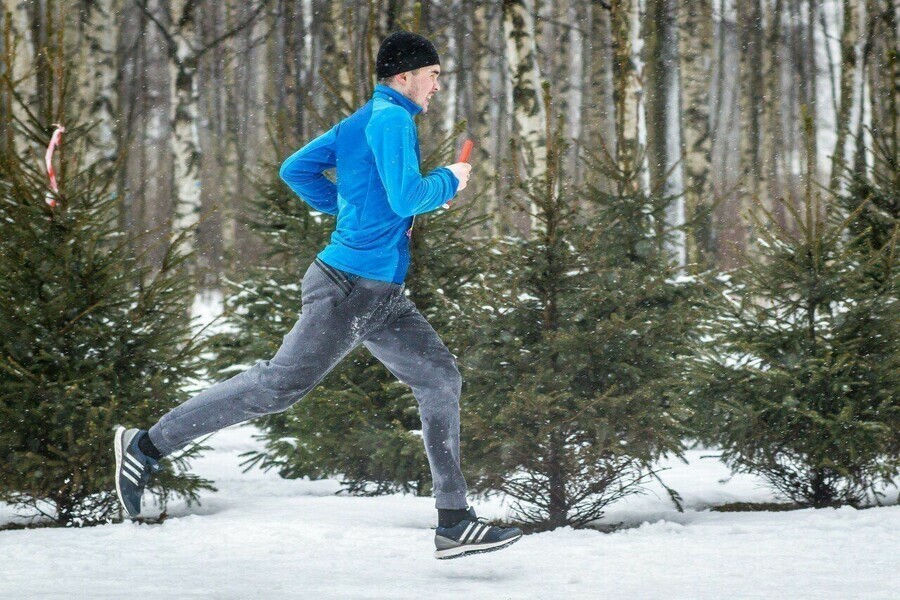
[
  {"x": 130, "y": 477},
  {"x": 473, "y": 534},
  {"x": 483, "y": 533},
  {"x": 469, "y": 529},
  {"x": 130, "y": 469},
  {"x": 135, "y": 462}
]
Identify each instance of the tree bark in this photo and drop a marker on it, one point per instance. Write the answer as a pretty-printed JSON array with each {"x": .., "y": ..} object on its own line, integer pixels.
[
  {"x": 528, "y": 109},
  {"x": 6, "y": 61},
  {"x": 729, "y": 226},
  {"x": 849, "y": 35},
  {"x": 96, "y": 47},
  {"x": 577, "y": 14},
  {"x": 664, "y": 128},
  {"x": 185, "y": 116},
  {"x": 695, "y": 48},
  {"x": 628, "y": 87},
  {"x": 884, "y": 76}
]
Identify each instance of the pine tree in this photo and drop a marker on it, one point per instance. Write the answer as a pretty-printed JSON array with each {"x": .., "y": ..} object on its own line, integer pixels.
[
  {"x": 360, "y": 423},
  {"x": 88, "y": 339},
  {"x": 569, "y": 398},
  {"x": 799, "y": 380}
]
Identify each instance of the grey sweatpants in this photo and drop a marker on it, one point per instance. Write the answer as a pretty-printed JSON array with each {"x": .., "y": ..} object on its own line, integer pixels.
[{"x": 339, "y": 312}]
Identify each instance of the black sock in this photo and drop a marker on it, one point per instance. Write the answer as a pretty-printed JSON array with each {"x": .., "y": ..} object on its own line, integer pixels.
[
  {"x": 145, "y": 445},
  {"x": 448, "y": 517}
]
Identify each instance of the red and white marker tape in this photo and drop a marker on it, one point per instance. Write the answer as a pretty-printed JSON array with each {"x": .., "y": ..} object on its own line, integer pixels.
[{"x": 55, "y": 140}]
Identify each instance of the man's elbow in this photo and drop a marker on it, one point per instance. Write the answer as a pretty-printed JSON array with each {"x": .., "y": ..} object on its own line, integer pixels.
[
  {"x": 403, "y": 208},
  {"x": 285, "y": 171}
]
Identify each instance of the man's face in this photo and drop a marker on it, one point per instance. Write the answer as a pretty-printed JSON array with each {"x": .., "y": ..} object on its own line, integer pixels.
[{"x": 422, "y": 85}]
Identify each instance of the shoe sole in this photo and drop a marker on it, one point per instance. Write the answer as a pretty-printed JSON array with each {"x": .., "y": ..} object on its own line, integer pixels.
[
  {"x": 119, "y": 435},
  {"x": 466, "y": 550}
]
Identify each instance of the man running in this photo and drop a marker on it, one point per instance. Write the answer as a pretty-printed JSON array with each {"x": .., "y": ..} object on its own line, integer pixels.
[{"x": 353, "y": 294}]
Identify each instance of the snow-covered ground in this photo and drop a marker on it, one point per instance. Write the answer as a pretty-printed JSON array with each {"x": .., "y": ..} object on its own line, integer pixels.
[{"x": 261, "y": 536}]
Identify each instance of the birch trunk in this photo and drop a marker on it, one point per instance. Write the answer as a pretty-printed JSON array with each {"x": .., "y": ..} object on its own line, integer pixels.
[
  {"x": 450, "y": 73},
  {"x": 186, "y": 148},
  {"x": 528, "y": 111},
  {"x": 577, "y": 16},
  {"x": 627, "y": 85},
  {"x": 664, "y": 128},
  {"x": 696, "y": 48},
  {"x": 849, "y": 36},
  {"x": 97, "y": 49}
]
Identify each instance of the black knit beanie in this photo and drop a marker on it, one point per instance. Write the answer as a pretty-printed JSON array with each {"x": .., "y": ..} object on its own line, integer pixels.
[{"x": 404, "y": 51}]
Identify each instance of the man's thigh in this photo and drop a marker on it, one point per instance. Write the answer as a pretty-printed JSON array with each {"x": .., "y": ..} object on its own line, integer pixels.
[{"x": 412, "y": 350}]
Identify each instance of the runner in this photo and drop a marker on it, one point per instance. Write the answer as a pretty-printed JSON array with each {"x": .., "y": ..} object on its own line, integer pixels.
[{"x": 353, "y": 294}]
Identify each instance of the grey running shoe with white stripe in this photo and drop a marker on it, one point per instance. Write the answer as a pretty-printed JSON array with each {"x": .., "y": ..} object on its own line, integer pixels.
[
  {"x": 472, "y": 536},
  {"x": 133, "y": 469}
]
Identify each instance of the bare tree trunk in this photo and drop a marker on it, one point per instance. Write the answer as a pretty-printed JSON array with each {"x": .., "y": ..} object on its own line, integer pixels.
[
  {"x": 600, "y": 97},
  {"x": 96, "y": 47},
  {"x": 7, "y": 144},
  {"x": 729, "y": 226},
  {"x": 577, "y": 15},
  {"x": 627, "y": 84},
  {"x": 773, "y": 149},
  {"x": 809, "y": 83},
  {"x": 696, "y": 60},
  {"x": 849, "y": 35},
  {"x": 38, "y": 16},
  {"x": 664, "y": 128},
  {"x": 185, "y": 116},
  {"x": 750, "y": 32},
  {"x": 860, "y": 113},
  {"x": 529, "y": 110},
  {"x": 246, "y": 107},
  {"x": 215, "y": 194},
  {"x": 884, "y": 73},
  {"x": 153, "y": 161},
  {"x": 499, "y": 90},
  {"x": 450, "y": 69}
]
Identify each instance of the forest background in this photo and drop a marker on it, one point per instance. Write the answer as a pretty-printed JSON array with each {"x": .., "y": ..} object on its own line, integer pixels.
[
  {"x": 682, "y": 228},
  {"x": 199, "y": 97}
]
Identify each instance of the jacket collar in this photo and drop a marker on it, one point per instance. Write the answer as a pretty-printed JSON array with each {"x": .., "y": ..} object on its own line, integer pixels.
[{"x": 396, "y": 97}]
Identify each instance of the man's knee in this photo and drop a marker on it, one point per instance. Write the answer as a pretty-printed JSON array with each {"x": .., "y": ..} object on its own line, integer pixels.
[
  {"x": 448, "y": 379},
  {"x": 278, "y": 387}
]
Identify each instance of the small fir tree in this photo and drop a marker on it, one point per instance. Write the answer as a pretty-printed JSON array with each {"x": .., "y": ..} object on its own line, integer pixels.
[
  {"x": 799, "y": 379},
  {"x": 88, "y": 339},
  {"x": 569, "y": 396}
]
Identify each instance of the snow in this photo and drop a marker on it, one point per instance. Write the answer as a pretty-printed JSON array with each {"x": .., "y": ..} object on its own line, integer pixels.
[{"x": 261, "y": 536}]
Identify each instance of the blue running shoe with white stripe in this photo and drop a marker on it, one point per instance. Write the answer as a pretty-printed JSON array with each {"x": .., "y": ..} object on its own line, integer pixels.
[
  {"x": 133, "y": 469},
  {"x": 472, "y": 536}
]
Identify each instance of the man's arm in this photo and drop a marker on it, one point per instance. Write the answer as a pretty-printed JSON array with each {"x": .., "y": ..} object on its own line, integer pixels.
[
  {"x": 393, "y": 145},
  {"x": 302, "y": 171}
]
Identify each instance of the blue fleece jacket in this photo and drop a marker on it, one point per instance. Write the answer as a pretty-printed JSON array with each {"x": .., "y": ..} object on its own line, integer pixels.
[{"x": 379, "y": 189}]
